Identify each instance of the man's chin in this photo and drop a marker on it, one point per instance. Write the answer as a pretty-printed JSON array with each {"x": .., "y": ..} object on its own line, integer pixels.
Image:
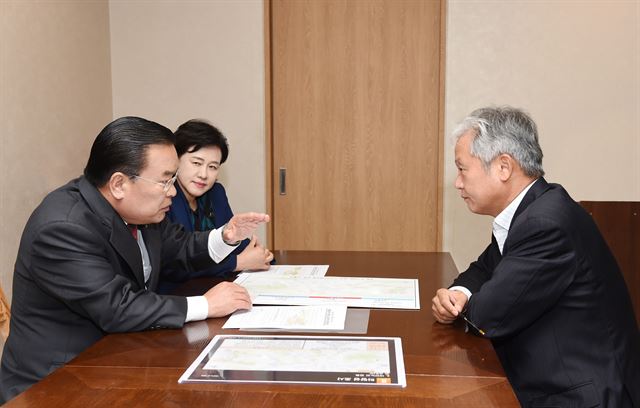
[
  {"x": 469, "y": 205},
  {"x": 478, "y": 211},
  {"x": 158, "y": 218},
  {"x": 473, "y": 208}
]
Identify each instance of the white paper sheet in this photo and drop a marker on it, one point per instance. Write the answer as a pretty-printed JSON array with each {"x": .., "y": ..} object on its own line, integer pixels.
[
  {"x": 384, "y": 293},
  {"x": 294, "y": 270},
  {"x": 330, "y": 317}
]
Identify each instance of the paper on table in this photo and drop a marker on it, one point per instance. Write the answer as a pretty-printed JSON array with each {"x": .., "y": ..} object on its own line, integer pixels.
[
  {"x": 384, "y": 293},
  {"x": 367, "y": 361},
  {"x": 325, "y": 317},
  {"x": 294, "y": 270}
]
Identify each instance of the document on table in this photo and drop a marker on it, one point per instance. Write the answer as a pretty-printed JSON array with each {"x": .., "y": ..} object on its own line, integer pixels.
[
  {"x": 320, "y": 317},
  {"x": 371, "y": 361},
  {"x": 294, "y": 270},
  {"x": 385, "y": 293}
]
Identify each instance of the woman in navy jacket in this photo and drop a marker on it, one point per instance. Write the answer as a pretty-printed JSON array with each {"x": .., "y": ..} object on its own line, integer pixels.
[{"x": 201, "y": 203}]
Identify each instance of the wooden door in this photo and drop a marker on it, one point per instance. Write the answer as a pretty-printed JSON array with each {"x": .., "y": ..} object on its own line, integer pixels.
[{"x": 355, "y": 118}]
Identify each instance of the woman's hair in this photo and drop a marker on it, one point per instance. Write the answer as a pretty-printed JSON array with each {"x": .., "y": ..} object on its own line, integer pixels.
[{"x": 195, "y": 134}]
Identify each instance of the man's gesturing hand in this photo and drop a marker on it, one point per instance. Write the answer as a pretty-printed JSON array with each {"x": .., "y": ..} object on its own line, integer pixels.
[{"x": 242, "y": 226}]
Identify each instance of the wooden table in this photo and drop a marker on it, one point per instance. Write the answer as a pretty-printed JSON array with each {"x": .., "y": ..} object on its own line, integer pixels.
[{"x": 445, "y": 367}]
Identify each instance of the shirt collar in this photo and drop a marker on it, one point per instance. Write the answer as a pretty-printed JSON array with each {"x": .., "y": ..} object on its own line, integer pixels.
[{"x": 503, "y": 220}]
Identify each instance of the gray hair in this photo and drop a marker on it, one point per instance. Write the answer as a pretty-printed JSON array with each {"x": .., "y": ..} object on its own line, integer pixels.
[{"x": 503, "y": 130}]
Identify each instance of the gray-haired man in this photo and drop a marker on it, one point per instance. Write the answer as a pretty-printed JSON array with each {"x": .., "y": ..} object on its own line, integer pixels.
[{"x": 547, "y": 290}]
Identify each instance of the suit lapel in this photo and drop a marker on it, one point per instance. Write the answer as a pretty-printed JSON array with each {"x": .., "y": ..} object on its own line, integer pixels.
[
  {"x": 128, "y": 249},
  {"x": 119, "y": 235},
  {"x": 536, "y": 190}
]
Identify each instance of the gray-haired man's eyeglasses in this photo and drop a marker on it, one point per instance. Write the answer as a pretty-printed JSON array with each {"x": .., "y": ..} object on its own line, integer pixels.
[{"x": 166, "y": 185}]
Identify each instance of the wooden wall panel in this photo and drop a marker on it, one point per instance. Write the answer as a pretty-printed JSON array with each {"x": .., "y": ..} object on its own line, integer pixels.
[{"x": 619, "y": 223}]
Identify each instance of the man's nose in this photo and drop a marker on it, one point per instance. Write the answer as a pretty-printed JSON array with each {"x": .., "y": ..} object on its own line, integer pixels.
[
  {"x": 457, "y": 183},
  {"x": 172, "y": 191}
]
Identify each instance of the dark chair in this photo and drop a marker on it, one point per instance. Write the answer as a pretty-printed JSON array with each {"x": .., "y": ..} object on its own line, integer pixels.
[{"x": 619, "y": 223}]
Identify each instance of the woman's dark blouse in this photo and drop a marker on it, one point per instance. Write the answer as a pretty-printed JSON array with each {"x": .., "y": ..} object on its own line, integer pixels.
[{"x": 213, "y": 212}]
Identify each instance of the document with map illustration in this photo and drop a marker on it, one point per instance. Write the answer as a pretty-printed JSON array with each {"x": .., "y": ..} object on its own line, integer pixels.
[
  {"x": 294, "y": 270},
  {"x": 370, "y": 361},
  {"x": 384, "y": 293},
  {"x": 320, "y": 317}
]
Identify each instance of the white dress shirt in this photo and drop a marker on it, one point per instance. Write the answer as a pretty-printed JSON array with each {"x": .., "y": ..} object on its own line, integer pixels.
[{"x": 197, "y": 306}]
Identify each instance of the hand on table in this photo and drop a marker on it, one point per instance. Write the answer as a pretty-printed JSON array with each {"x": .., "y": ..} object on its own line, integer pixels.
[
  {"x": 447, "y": 305},
  {"x": 254, "y": 257},
  {"x": 225, "y": 298}
]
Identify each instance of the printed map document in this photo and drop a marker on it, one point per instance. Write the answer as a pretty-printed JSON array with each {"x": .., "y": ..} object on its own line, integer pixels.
[
  {"x": 371, "y": 361},
  {"x": 295, "y": 270},
  {"x": 384, "y": 293},
  {"x": 330, "y": 317}
]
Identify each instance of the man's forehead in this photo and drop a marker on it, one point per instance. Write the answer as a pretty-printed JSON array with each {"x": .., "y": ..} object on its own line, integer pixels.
[
  {"x": 161, "y": 159},
  {"x": 460, "y": 148}
]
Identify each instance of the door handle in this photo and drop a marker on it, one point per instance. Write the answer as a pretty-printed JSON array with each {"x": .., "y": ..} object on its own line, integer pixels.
[{"x": 283, "y": 181}]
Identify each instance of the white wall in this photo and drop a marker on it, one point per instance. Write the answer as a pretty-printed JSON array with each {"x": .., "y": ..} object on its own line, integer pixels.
[
  {"x": 177, "y": 60},
  {"x": 575, "y": 67}
]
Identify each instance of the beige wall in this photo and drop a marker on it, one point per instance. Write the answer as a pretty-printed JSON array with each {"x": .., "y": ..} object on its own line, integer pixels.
[
  {"x": 55, "y": 96},
  {"x": 575, "y": 66},
  {"x": 177, "y": 60}
]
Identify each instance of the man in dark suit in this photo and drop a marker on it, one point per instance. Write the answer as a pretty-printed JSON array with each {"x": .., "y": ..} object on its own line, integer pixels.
[
  {"x": 547, "y": 290},
  {"x": 91, "y": 254}
]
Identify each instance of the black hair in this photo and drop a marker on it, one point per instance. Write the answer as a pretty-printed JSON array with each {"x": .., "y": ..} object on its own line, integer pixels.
[
  {"x": 195, "y": 134},
  {"x": 121, "y": 146}
]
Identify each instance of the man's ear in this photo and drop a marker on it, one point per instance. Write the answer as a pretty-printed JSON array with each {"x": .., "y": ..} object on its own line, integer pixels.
[
  {"x": 506, "y": 166},
  {"x": 117, "y": 185}
]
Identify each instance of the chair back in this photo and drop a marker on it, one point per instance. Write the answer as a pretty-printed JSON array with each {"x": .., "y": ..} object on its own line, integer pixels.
[{"x": 619, "y": 224}]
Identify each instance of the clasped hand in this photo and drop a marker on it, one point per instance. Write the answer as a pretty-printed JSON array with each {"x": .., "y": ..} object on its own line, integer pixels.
[{"x": 447, "y": 305}]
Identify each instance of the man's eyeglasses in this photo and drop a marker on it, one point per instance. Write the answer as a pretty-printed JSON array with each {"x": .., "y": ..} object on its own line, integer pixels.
[{"x": 166, "y": 185}]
